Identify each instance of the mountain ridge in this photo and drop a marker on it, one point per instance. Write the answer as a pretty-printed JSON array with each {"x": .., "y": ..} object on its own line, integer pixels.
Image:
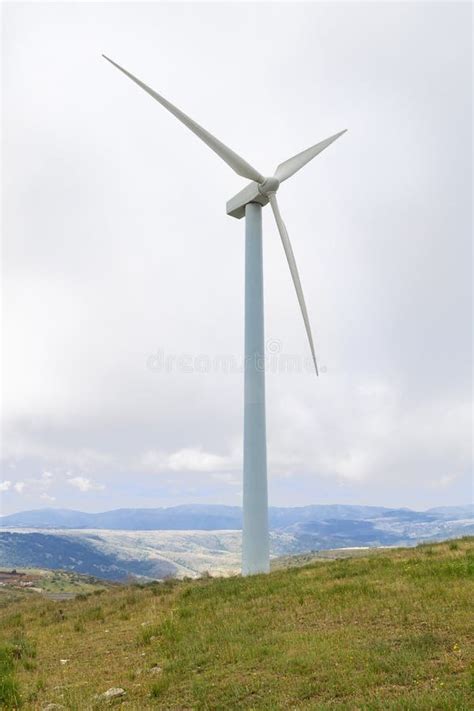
[{"x": 208, "y": 517}]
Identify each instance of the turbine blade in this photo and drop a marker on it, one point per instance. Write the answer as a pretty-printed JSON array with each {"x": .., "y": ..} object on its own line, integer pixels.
[
  {"x": 292, "y": 165},
  {"x": 294, "y": 272},
  {"x": 237, "y": 163}
]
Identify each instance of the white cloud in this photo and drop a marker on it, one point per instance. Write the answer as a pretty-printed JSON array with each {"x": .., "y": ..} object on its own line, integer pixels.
[
  {"x": 153, "y": 461},
  {"x": 47, "y": 497},
  {"x": 445, "y": 481},
  {"x": 226, "y": 478},
  {"x": 5, "y": 485},
  {"x": 197, "y": 460},
  {"x": 364, "y": 434},
  {"x": 356, "y": 465},
  {"x": 188, "y": 459},
  {"x": 20, "y": 444},
  {"x": 35, "y": 486},
  {"x": 84, "y": 484}
]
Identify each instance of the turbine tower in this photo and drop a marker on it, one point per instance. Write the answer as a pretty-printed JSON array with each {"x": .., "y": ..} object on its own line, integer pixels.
[{"x": 248, "y": 203}]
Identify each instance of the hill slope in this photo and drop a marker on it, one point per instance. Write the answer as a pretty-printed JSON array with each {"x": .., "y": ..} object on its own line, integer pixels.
[
  {"x": 81, "y": 554},
  {"x": 389, "y": 630}
]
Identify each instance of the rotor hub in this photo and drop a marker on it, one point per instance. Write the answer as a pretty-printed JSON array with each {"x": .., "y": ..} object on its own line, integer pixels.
[{"x": 269, "y": 185}]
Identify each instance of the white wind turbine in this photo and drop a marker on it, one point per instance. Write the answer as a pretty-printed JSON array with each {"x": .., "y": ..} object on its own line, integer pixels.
[{"x": 249, "y": 202}]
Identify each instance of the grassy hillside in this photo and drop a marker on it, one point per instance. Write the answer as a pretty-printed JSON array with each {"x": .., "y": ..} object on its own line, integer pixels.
[
  {"x": 391, "y": 630},
  {"x": 49, "y": 582}
]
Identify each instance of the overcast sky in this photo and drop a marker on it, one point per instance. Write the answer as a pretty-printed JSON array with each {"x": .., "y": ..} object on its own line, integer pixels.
[{"x": 118, "y": 255}]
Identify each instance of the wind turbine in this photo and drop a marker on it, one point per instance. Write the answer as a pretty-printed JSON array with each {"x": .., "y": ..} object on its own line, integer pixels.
[{"x": 249, "y": 202}]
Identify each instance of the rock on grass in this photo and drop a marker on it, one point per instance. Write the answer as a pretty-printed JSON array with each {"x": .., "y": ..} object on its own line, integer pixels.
[{"x": 113, "y": 693}]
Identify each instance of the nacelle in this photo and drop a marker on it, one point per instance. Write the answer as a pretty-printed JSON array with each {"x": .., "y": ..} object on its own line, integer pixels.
[{"x": 251, "y": 193}]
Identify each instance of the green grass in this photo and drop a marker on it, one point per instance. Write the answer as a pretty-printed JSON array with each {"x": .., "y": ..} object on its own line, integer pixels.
[
  {"x": 382, "y": 631},
  {"x": 14, "y": 649},
  {"x": 9, "y": 692}
]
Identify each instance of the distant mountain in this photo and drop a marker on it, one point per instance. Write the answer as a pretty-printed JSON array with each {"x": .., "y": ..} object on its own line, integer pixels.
[
  {"x": 46, "y": 518},
  {"x": 177, "y": 518},
  {"x": 341, "y": 533},
  {"x": 202, "y": 517},
  {"x": 453, "y": 511}
]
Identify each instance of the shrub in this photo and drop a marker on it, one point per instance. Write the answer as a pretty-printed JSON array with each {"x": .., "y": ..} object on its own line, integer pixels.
[
  {"x": 21, "y": 647},
  {"x": 158, "y": 688},
  {"x": 79, "y": 626},
  {"x": 9, "y": 692},
  {"x": 94, "y": 613},
  {"x": 148, "y": 633},
  {"x": 6, "y": 660}
]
